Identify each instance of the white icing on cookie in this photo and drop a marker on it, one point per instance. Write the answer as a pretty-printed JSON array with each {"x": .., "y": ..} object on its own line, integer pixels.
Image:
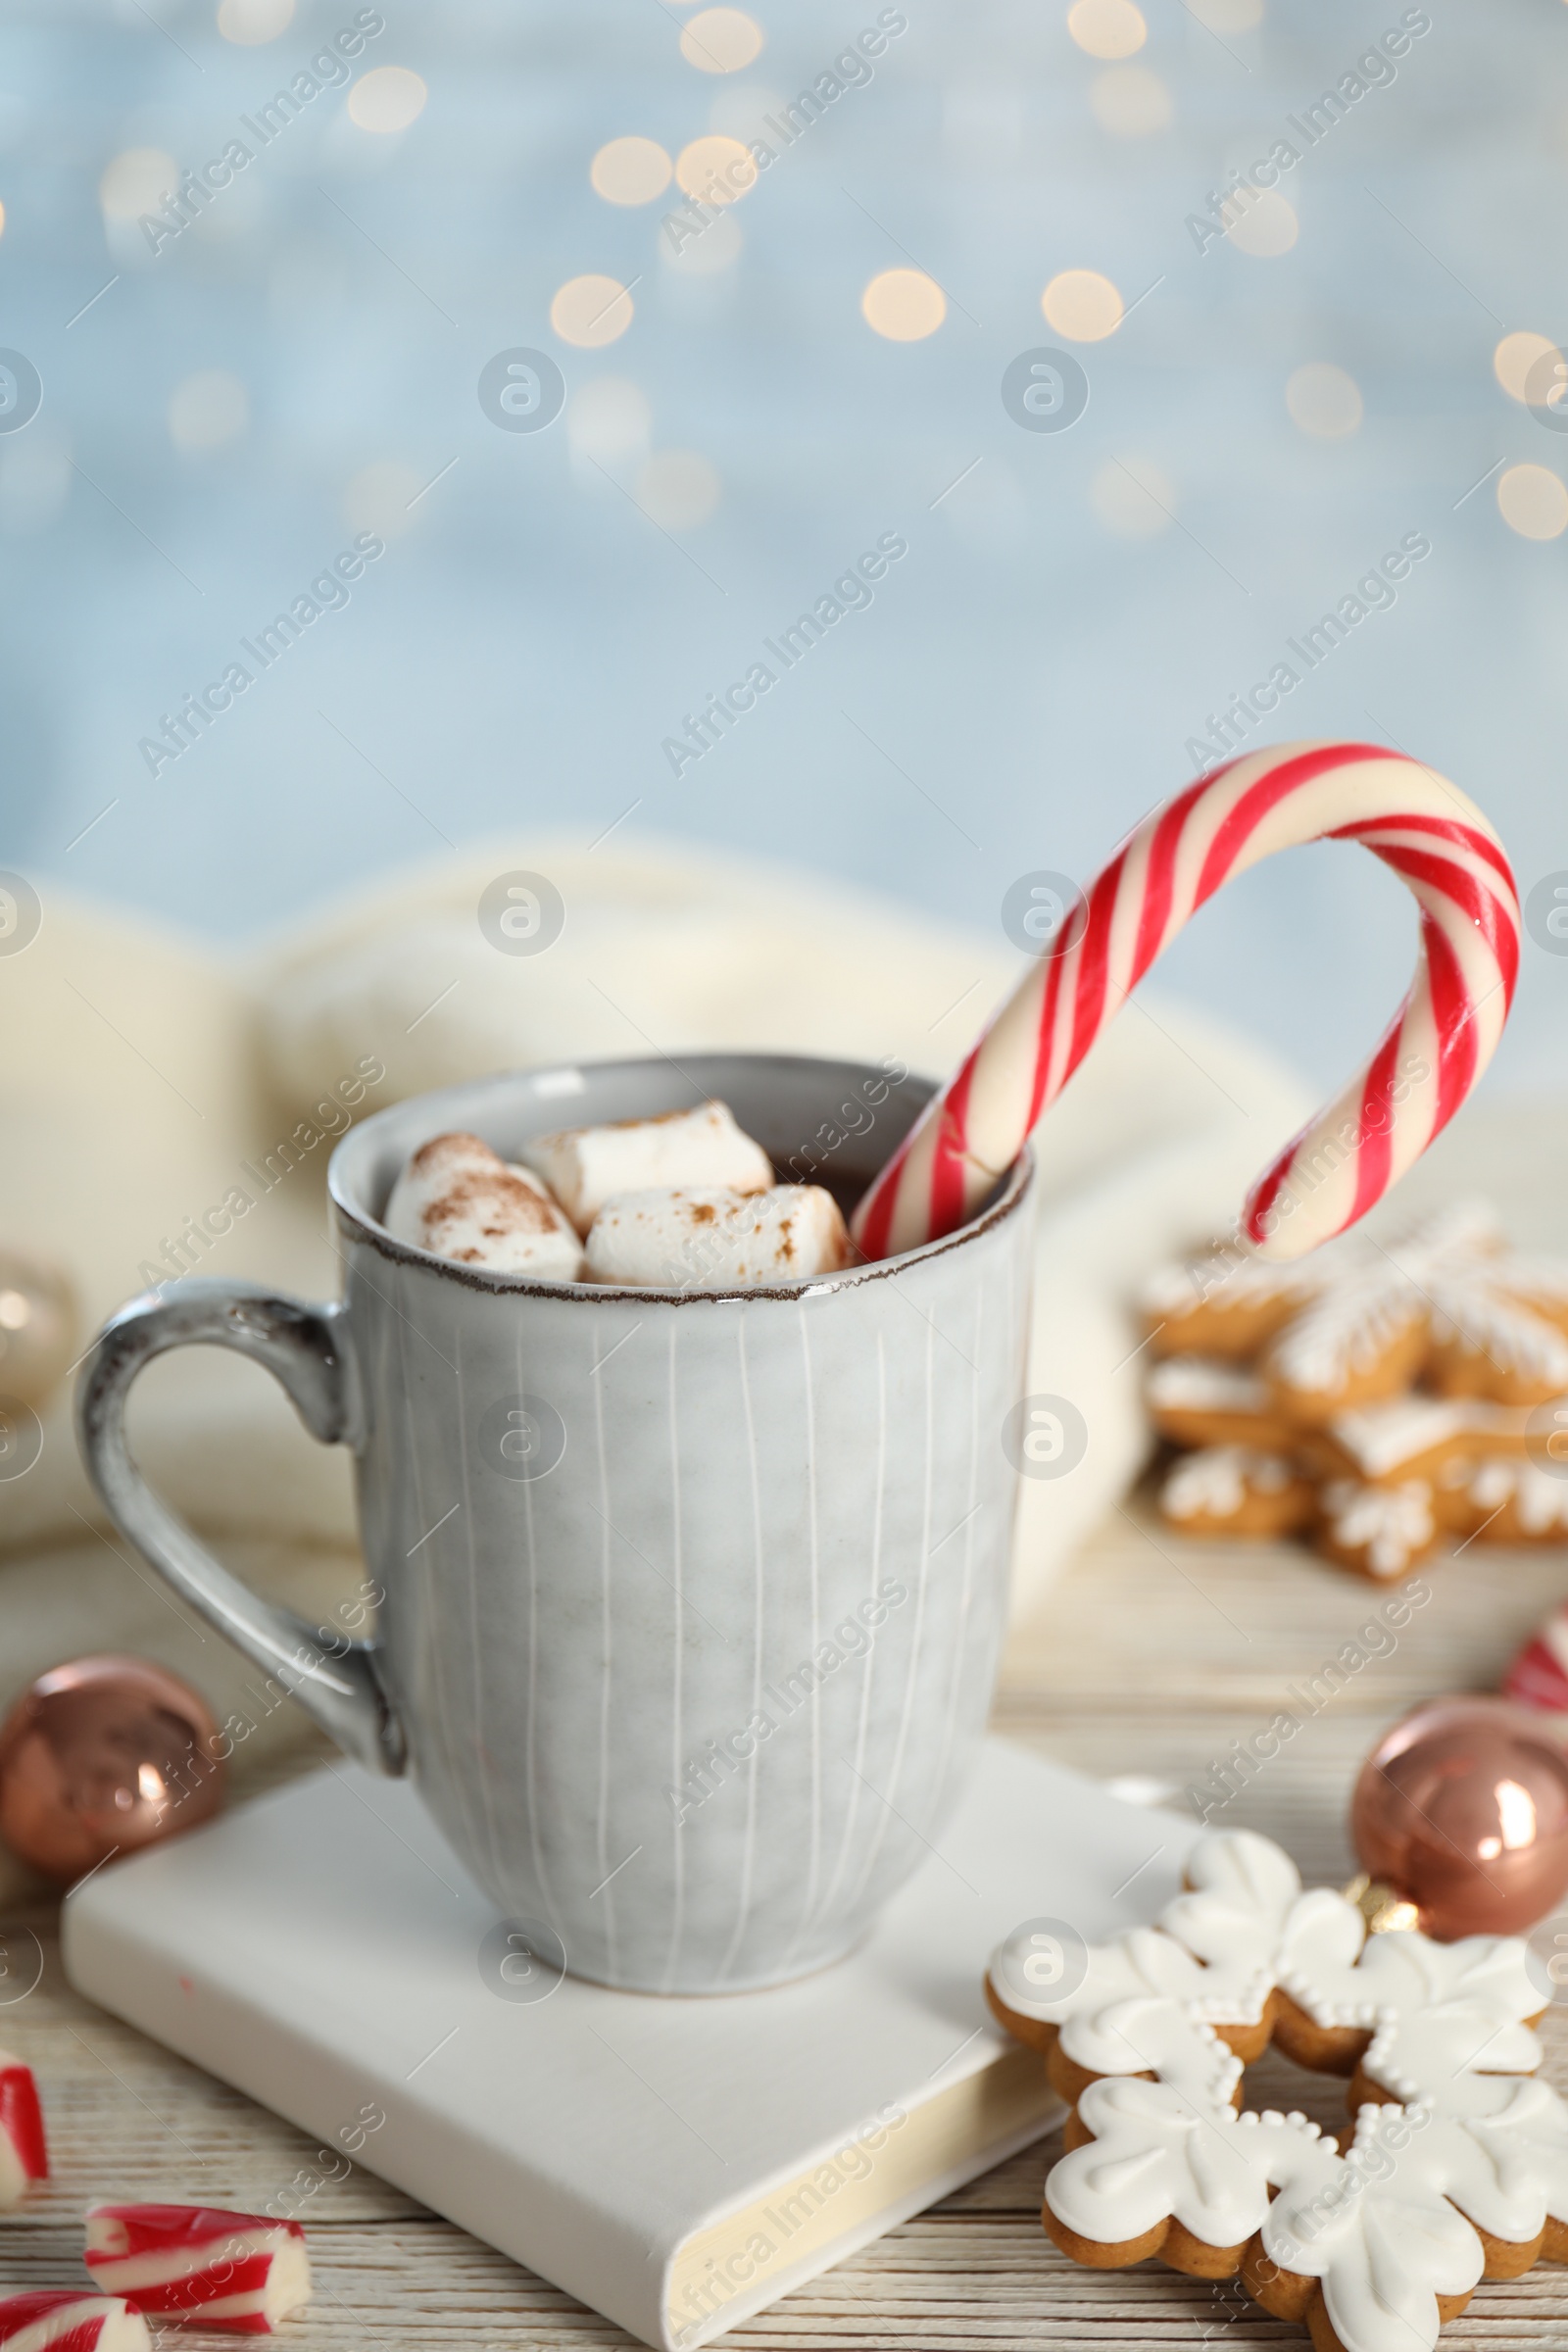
[
  {"x": 1228, "y": 1278},
  {"x": 1379, "y": 1438},
  {"x": 1376, "y": 2229},
  {"x": 1539, "y": 1500},
  {"x": 1449, "y": 1272},
  {"x": 1216, "y": 1480},
  {"x": 1389, "y": 1525},
  {"x": 1205, "y": 1384},
  {"x": 1346, "y": 1332},
  {"x": 1156, "y": 2157},
  {"x": 1472, "y": 1310},
  {"x": 1384, "y": 2225}
]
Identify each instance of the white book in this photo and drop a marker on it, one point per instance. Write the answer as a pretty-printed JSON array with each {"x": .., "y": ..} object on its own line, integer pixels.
[{"x": 677, "y": 2163}]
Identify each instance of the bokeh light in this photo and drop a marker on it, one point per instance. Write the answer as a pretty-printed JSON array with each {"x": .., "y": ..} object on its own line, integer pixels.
[
  {"x": 720, "y": 40},
  {"x": 250, "y": 22},
  {"x": 1226, "y": 15},
  {"x": 387, "y": 99},
  {"x": 207, "y": 411},
  {"x": 1323, "y": 400},
  {"x": 136, "y": 182},
  {"x": 904, "y": 305},
  {"x": 1533, "y": 502},
  {"x": 718, "y": 247},
  {"x": 630, "y": 170},
  {"x": 1082, "y": 305},
  {"x": 609, "y": 419},
  {"x": 677, "y": 489},
  {"x": 1265, "y": 226},
  {"x": 591, "y": 311},
  {"x": 1514, "y": 357},
  {"x": 1106, "y": 28},
  {"x": 1130, "y": 102},
  {"x": 380, "y": 498},
  {"x": 1132, "y": 498},
  {"x": 715, "y": 168}
]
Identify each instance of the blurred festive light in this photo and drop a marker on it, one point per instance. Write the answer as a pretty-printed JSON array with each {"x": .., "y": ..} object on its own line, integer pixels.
[
  {"x": 591, "y": 311},
  {"x": 1516, "y": 355},
  {"x": 2, "y": 219},
  {"x": 249, "y": 23},
  {"x": 718, "y": 249},
  {"x": 1533, "y": 502},
  {"x": 208, "y": 410},
  {"x": 1129, "y": 101},
  {"x": 386, "y": 99},
  {"x": 1106, "y": 28},
  {"x": 136, "y": 182},
  {"x": 1082, "y": 305},
  {"x": 380, "y": 498},
  {"x": 1226, "y": 15},
  {"x": 1323, "y": 400},
  {"x": 677, "y": 489},
  {"x": 739, "y": 109},
  {"x": 904, "y": 305},
  {"x": 630, "y": 170},
  {"x": 720, "y": 40},
  {"x": 1266, "y": 227},
  {"x": 1132, "y": 498},
  {"x": 715, "y": 168},
  {"x": 609, "y": 419}
]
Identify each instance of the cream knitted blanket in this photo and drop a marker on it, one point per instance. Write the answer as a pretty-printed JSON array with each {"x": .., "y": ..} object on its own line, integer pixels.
[{"x": 170, "y": 1109}]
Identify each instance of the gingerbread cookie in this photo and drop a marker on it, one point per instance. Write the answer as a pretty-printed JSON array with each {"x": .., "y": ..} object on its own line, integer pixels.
[
  {"x": 1509, "y": 1501},
  {"x": 1224, "y": 1303},
  {"x": 1314, "y": 1368},
  {"x": 1235, "y": 1491},
  {"x": 1457, "y": 2168},
  {"x": 1360, "y": 1320},
  {"x": 1379, "y": 1531},
  {"x": 1207, "y": 1400}
]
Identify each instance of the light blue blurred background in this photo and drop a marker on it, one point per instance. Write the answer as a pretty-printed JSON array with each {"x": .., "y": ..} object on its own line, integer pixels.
[{"x": 302, "y": 361}]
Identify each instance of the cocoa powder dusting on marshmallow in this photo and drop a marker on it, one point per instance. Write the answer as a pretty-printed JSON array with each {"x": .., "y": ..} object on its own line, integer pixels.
[
  {"x": 475, "y": 1189},
  {"x": 442, "y": 1147}
]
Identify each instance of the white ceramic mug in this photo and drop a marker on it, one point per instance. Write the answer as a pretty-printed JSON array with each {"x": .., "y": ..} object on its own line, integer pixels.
[{"x": 693, "y": 1599}]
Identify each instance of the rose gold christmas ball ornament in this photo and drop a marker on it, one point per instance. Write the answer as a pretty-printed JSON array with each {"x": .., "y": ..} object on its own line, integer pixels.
[
  {"x": 1462, "y": 1810},
  {"x": 101, "y": 1756},
  {"x": 40, "y": 1325}
]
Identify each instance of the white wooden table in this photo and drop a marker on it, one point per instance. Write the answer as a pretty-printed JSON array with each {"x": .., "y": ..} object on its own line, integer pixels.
[{"x": 1148, "y": 1657}]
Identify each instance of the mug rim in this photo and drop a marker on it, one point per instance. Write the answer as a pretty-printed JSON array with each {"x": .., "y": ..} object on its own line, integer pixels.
[{"x": 359, "y": 1226}]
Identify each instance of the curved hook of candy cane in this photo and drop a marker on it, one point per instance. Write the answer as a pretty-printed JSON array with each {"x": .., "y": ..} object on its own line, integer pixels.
[{"x": 1434, "y": 1049}]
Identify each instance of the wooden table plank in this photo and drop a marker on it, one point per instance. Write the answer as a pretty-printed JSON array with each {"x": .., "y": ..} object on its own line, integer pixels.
[{"x": 1151, "y": 1657}]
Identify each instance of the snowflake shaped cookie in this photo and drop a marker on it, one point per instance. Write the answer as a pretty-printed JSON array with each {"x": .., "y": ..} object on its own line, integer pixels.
[
  {"x": 1305, "y": 1372},
  {"x": 1446, "y": 1301},
  {"x": 1457, "y": 2168}
]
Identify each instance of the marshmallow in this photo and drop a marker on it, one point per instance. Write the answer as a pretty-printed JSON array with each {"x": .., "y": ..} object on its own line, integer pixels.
[
  {"x": 459, "y": 1200},
  {"x": 76, "y": 2323},
  {"x": 193, "y": 2267},
  {"x": 714, "y": 1239},
  {"x": 24, "y": 2157},
  {"x": 586, "y": 1166}
]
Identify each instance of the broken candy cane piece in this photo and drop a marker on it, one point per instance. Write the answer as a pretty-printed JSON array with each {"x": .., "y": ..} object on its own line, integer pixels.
[
  {"x": 24, "y": 2154},
  {"x": 459, "y": 1199},
  {"x": 586, "y": 1166},
  {"x": 194, "y": 2267},
  {"x": 714, "y": 1240},
  {"x": 60, "y": 2319}
]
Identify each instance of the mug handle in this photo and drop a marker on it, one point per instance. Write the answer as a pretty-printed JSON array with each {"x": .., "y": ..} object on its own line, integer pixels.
[{"x": 304, "y": 1348}]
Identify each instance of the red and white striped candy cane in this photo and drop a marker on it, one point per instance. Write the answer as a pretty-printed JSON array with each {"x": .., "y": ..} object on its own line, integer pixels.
[
  {"x": 62, "y": 2319},
  {"x": 1436, "y": 1048},
  {"x": 195, "y": 2267},
  {"x": 23, "y": 2155}
]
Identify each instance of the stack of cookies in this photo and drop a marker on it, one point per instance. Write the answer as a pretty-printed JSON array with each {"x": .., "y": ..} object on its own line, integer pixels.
[{"x": 1373, "y": 1395}]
